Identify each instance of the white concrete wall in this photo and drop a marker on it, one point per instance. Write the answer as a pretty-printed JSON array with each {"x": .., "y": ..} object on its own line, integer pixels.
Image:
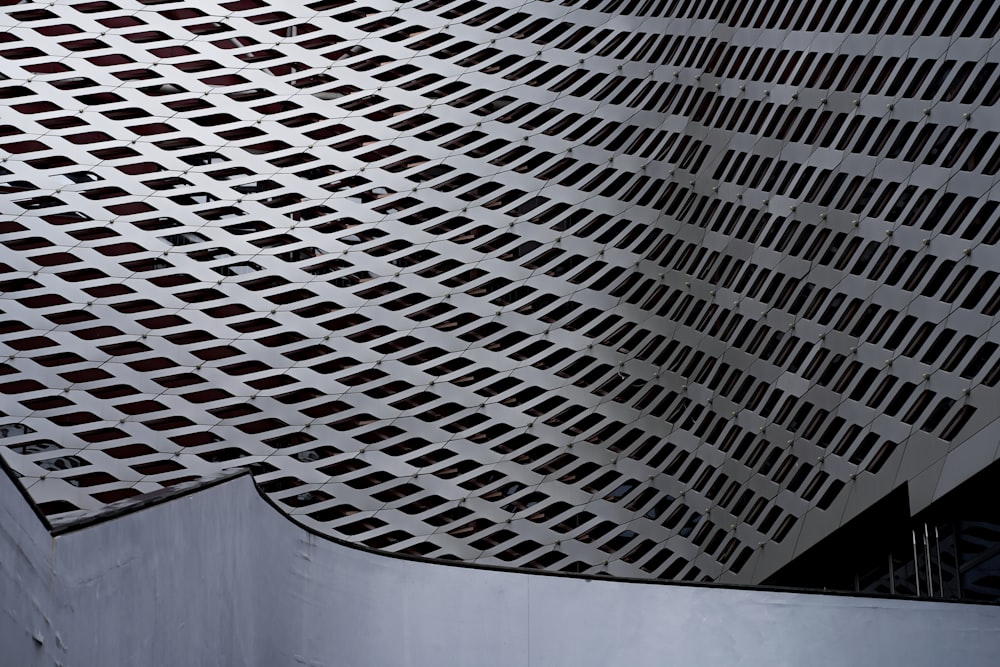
[{"x": 220, "y": 578}]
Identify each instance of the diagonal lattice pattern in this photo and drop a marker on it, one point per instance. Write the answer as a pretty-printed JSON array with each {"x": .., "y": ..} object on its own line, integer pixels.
[{"x": 659, "y": 289}]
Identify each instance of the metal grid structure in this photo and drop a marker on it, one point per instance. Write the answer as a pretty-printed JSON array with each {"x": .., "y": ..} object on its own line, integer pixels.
[{"x": 655, "y": 288}]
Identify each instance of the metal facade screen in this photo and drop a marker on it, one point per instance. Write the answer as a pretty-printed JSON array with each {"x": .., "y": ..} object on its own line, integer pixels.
[{"x": 646, "y": 287}]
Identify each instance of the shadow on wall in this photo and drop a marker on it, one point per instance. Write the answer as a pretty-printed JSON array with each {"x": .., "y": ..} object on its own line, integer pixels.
[{"x": 218, "y": 577}]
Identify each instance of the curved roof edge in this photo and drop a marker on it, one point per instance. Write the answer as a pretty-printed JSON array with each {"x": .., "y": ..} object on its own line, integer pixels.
[
  {"x": 209, "y": 578},
  {"x": 112, "y": 511}
]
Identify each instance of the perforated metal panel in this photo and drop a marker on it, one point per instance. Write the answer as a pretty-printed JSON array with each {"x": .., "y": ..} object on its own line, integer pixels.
[{"x": 664, "y": 289}]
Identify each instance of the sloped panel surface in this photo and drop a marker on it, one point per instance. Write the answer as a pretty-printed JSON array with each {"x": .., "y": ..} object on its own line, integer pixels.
[{"x": 222, "y": 577}]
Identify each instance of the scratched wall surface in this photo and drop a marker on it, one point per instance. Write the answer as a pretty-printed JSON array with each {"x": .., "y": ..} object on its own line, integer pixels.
[
  {"x": 653, "y": 288},
  {"x": 219, "y": 577}
]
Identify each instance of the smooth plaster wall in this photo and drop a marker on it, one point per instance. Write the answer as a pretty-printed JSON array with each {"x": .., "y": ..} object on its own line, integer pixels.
[{"x": 218, "y": 577}]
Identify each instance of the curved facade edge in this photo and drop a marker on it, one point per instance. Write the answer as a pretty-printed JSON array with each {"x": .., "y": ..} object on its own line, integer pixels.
[{"x": 214, "y": 576}]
